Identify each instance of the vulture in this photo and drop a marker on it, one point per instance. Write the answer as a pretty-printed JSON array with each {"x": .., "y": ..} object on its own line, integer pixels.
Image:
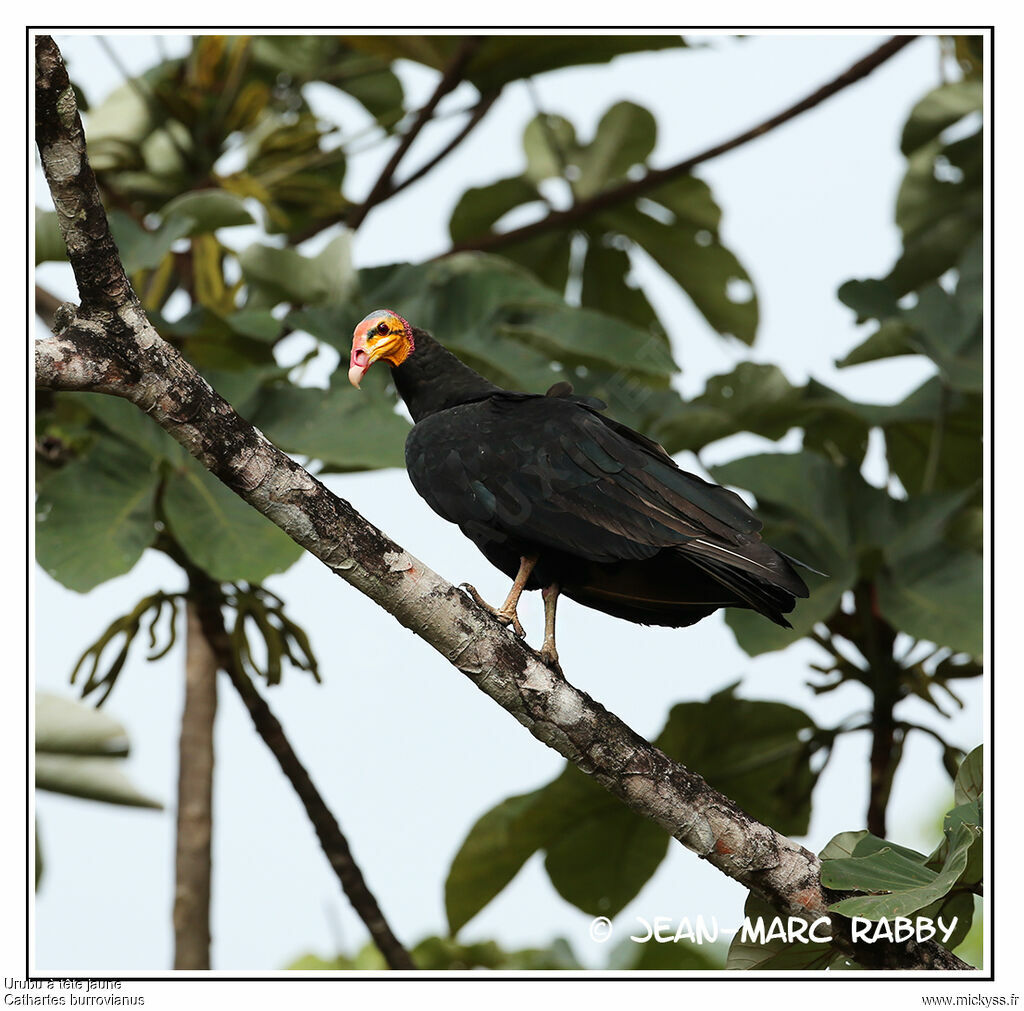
[{"x": 564, "y": 499}]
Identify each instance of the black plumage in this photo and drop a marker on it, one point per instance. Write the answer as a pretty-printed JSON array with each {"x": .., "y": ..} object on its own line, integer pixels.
[{"x": 600, "y": 513}]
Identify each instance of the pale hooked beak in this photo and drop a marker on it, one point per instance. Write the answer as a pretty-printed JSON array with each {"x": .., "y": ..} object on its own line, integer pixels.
[{"x": 358, "y": 363}]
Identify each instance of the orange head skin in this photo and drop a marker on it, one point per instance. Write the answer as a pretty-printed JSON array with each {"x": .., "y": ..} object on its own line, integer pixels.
[{"x": 381, "y": 335}]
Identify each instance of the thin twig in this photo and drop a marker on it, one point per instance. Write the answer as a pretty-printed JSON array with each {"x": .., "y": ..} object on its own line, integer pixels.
[
  {"x": 478, "y": 112},
  {"x": 452, "y": 76},
  {"x": 657, "y": 177}
]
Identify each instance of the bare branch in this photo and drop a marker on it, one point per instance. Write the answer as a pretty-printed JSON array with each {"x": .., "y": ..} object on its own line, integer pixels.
[
  {"x": 657, "y": 177},
  {"x": 476, "y": 114},
  {"x": 192, "y": 864},
  {"x": 449, "y": 80}
]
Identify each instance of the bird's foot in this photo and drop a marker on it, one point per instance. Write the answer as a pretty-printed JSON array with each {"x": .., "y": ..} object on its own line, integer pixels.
[
  {"x": 506, "y": 616},
  {"x": 549, "y": 655}
]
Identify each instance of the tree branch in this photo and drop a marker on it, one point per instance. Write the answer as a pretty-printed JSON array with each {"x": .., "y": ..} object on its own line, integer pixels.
[
  {"x": 123, "y": 355},
  {"x": 451, "y": 77},
  {"x": 195, "y": 799},
  {"x": 657, "y": 177},
  {"x": 332, "y": 839},
  {"x": 476, "y": 114}
]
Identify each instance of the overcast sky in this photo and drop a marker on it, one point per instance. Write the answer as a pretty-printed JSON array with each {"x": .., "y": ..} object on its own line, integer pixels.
[{"x": 407, "y": 753}]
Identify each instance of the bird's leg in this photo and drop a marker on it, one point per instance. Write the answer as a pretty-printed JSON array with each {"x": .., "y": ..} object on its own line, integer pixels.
[
  {"x": 506, "y": 614},
  {"x": 548, "y": 653}
]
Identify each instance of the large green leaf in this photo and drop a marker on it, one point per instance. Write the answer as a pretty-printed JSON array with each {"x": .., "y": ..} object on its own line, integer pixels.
[
  {"x": 504, "y": 58},
  {"x": 625, "y": 137},
  {"x": 939, "y": 109},
  {"x": 968, "y": 784},
  {"x": 481, "y": 206},
  {"x": 584, "y": 337},
  {"x": 94, "y": 518},
  {"x": 284, "y": 275},
  {"x": 49, "y": 241},
  {"x": 599, "y": 854},
  {"x": 124, "y": 419},
  {"x": 497, "y": 846},
  {"x": 939, "y": 209},
  {"x": 92, "y": 778},
  {"x": 686, "y": 246},
  {"x": 141, "y": 249},
  {"x": 64, "y": 726},
  {"x": 605, "y": 853},
  {"x": 936, "y": 595},
  {"x": 220, "y": 532},
  {"x": 760, "y": 947},
  {"x": 763, "y": 764},
  {"x": 606, "y": 285},
  {"x": 906, "y": 885},
  {"x": 208, "y": 210},
  {"x": 346, "y": 429}
]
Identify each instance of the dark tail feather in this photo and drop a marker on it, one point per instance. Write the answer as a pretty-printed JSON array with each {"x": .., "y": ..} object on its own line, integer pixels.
[{"x": 766, "y": 598}]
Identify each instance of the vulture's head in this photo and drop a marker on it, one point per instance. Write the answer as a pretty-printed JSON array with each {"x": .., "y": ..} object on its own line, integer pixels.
[{"x": 381, "y": 335}]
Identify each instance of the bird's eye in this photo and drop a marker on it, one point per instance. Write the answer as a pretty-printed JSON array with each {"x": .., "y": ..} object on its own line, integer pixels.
[{"x": 382, "y": 328}]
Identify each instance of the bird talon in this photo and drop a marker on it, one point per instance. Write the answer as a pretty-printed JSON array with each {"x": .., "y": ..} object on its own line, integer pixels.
[
  {"x": 502, "y": 616},
  {"x": 549, "y": 655}
]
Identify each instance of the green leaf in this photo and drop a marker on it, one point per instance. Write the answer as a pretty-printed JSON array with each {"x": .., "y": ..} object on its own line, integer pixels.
[
  {"x": 117, "y": 126},
  {"x": 752, "y": 398},
  {"x": 504, "y": 58},
  {"x": 601, "y": 860},
  {"x": 141, "y": 249},
  {"x": 347, "y": 429},
  {"x": 910, "y": 437},
  {"x": 625, "y": 137},
  {"x": 283, "y": 275},
  {"x": 599, "y": 854},
  {"x": 606, "y": 287},
  {"x": 68, "y": 727},
  {"x": 584, "y": 337},
  {"x": 940, "y": 214},
  {"x": 968, "y": 784},
  {"x": 94, "y": 518},
  {"x": 494, "y": 850},
  {"x": 907, "y": 885},
  {"x": 122, "y": 418},
  {"x": 884, "y": 870},
  {"x": 763, "y": 764},
  {"x": 260, "y": 324},
  {"x": 936, "y": 595},
  {"x": 92, "y": 778},
  {"x": 687, "y": 248},
  {"x": 481, "y": 206},
  {"x": 939, "y": 109},
  {"x": 220, "y": 532},
  {"x": 208, "y": 210},
  {"x": 842, "y": 845},
  {"x": 549, "y": 142},
  {"x": 748, "y": 953},
  {"x": 49, "y": 241}
]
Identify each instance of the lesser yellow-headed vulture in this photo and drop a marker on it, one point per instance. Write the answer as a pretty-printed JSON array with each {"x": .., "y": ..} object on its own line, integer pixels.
[{"x": 564, "y": 499}]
